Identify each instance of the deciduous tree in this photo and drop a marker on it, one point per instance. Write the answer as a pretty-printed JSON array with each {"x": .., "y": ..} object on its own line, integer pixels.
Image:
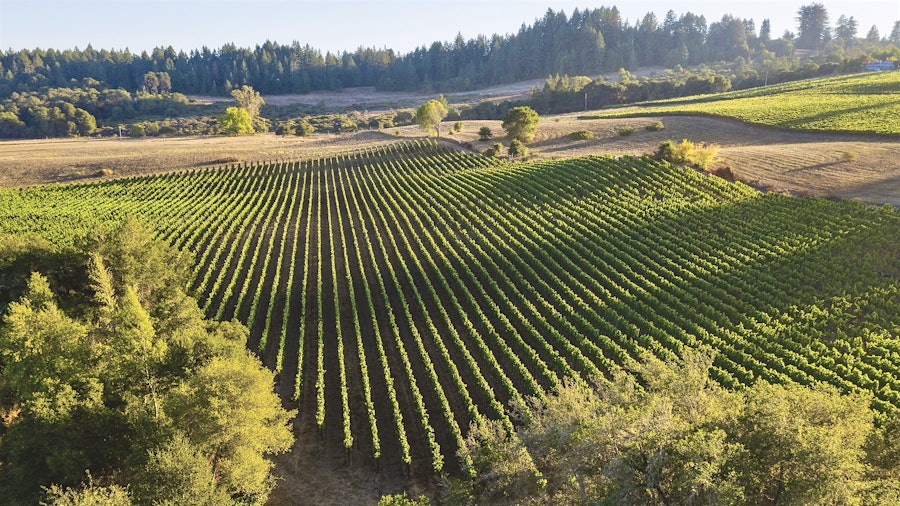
[
  {"x": 430, "y": 114},
  {"x": 249, "y": 100},
  {"x": 236, "y": 121},
  {"x": 521, "y": 123},
  {"x": 151, "y": 82}
]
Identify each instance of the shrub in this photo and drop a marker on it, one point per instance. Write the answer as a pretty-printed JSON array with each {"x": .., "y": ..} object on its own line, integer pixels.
[
  {"x": 457, "y": 127},
  {"x": 403, "y": 500},
  {"x": 668, "y": 151},
  {"x": 517, "y": 149},
  {"x": 136, "y": 131},
  {"x": 105, "y": 172},
  {"x": 655, "y": 127},
  {"x": 704, "y": 155},
  {"x": 404, "y": 118},
  {"x": 724, "y": 172},
  {"x": 626, "y": 130},
  {"x": 848, "y": 156},
  {"x": 485, "y": 134},
  {"x": 285, "y": 127},
  {"x": 304, "y": 128},
  {"x": 343, "y": 124},
  {"x": 493, "y": 151},
  {"x": 581, "y": 135},
  {"x": 700, "y": 155}
]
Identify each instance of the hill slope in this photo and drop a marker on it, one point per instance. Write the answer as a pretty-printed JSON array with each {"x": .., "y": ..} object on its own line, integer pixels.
[
  {"x": 404, "y": 291},
  {"x": 860, "y": 103}
]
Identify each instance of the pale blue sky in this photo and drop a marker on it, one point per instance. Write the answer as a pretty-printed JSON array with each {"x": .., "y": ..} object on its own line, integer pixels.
[{"x": 337, "y": 25}]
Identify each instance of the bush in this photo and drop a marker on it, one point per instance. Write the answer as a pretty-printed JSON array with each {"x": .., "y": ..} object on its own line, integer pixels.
[
  {"x": 304, "y": 128},
  {"x": 700, "y": 155},
  {"x": 485, "y": 134},
  {"x": 343, "y": 124},
  {"x": 457, "y": 127},
  {"x": 104, "y": 173},
  {"x": 285, "y": 127},
  {"x": 403, "y": 118},
  {"x": 848, "y": 156},
  {"x": 494, "y": 151},
  {"x": 136, "y": 131},
  {"x": 581, "y": 135},
  {"x": 655, "y": 127},
  {"x": 517, "y": 149},
  {"x": 668, "y": 151},
  {"x": 403, "y": 500},
  {"x": 626, "y": 130}
]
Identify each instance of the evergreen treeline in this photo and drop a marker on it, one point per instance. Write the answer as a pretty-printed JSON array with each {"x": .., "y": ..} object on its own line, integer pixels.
[{"x": 587, "y": 42}]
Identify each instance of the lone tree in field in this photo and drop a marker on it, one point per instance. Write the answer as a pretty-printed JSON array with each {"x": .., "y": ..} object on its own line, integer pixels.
[
  {"x": 430, "y": 114},
  {"x": 236, "y": 121},
  {"x": 485, "y": 134},
  {"x": 249, "y": 100},
  {"x": 521, "y": 123}
]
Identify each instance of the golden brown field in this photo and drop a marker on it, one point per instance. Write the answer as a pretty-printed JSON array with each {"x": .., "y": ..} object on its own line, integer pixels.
[{"x": 865, "y": 168}]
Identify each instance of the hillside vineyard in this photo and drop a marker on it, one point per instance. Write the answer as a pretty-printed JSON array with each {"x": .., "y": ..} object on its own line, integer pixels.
[{"x": 403, "y": 292}]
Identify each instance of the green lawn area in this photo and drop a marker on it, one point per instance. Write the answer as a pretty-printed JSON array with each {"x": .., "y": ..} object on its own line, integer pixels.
[{"x": 859, "y": 103}]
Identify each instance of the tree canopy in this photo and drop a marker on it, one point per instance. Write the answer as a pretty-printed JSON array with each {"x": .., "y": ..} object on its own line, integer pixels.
[
  {"x": 430, "y": 114},
  {"x": 666, "y": 434},
  {"x": 812, "y": 26},
  {"x": 131, "y": 385},
  {"x": 249, "y": 100},
  {"x": 236, "y": 121},
  {"x": 521, "y": 123}
]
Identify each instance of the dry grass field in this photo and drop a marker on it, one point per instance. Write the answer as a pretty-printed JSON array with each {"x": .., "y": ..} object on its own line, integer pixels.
[
  {"x": 31, "y": 162},
  {"x": 865, "y": 168}
]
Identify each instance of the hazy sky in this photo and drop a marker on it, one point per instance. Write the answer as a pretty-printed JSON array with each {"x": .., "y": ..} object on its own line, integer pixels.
[{"x": 337, "y": 25}]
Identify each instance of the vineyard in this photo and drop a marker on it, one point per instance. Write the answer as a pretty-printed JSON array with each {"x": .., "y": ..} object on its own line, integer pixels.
[
  {"x": 857, "y": 103},
  {"x": 403, "y": 292}
]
